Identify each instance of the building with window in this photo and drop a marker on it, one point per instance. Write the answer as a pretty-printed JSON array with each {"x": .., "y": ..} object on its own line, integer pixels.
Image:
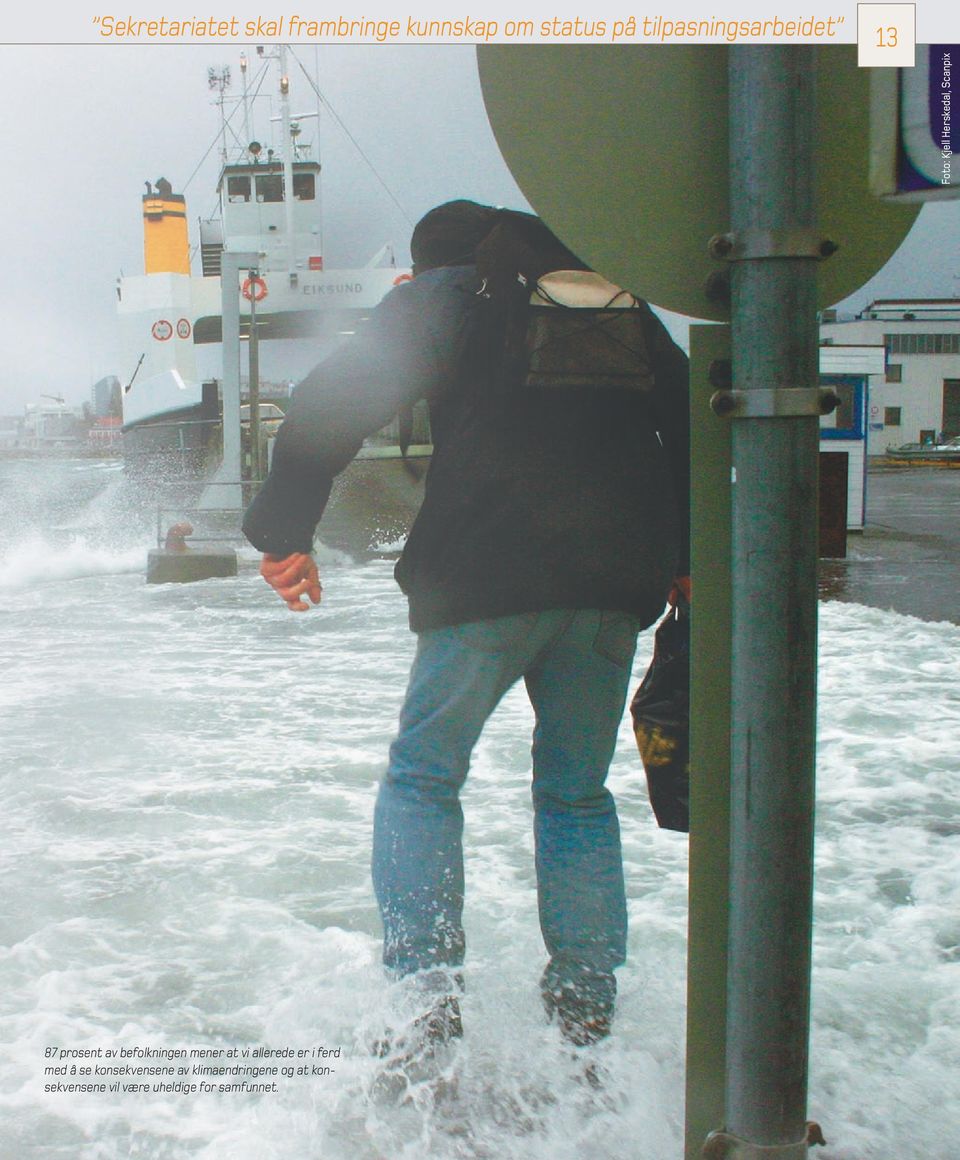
[
  {"x": 9, "y": 432},
  {"x": 105, "y": 398},
  {"x": 848, "y": 370},
  {"x": 49, "y": 427},
  {"x": 917, "y": 398}
]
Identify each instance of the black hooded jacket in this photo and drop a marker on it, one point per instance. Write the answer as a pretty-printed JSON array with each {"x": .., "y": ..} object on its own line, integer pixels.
[{"x": 548, "y": 487}]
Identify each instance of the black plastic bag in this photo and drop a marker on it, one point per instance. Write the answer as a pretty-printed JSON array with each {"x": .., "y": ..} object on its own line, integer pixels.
[{"x": 661, "y": 721}]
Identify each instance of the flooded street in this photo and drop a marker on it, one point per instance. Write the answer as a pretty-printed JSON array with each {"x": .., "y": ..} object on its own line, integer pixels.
[
  {"x": 189, "y": 774},
  {"x": 908, "y": 556}
]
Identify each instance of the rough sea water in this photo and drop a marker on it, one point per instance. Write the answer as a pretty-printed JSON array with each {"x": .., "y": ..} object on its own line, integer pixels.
[{"x": 188, "y": 777}]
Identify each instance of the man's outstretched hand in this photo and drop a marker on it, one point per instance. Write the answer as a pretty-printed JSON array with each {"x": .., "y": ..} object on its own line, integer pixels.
[
  {"x": 294, "y": 578},
  {"x": 681, "y": 588}
]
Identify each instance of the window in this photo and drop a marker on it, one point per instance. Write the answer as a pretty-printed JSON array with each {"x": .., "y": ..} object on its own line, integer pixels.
[
  {"x": 238, "y": 188},
  {"x": 912, "y": 343},
  {"x": 950, "y": 422},
  {"x": 845, "y": 415},
  {"x": 270, "y": 187},
  {"x": 304, "y": 187},
  {"x": 846, "y": 422},
  {"x": 894, "y": 372},
  {"x": 891, "y": 416}
]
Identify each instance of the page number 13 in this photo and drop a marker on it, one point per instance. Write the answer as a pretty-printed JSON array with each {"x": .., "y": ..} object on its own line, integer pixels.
[{"x": 886, "y": 35}]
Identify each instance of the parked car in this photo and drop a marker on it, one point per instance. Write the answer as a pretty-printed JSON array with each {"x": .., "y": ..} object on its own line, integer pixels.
[{"x": 270, "y": 417}]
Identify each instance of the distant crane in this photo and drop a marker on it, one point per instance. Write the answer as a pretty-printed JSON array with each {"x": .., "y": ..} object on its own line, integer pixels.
[{"x": 56, "y": 399}]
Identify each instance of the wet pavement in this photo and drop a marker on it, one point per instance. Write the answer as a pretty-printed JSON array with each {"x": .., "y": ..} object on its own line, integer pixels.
[{"x": 907, "y": 558}]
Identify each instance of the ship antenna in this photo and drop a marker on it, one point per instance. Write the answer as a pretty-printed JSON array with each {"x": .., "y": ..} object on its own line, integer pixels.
[
  {"x": 353, "y": 141},
  {"x": 218, "y": 80}
]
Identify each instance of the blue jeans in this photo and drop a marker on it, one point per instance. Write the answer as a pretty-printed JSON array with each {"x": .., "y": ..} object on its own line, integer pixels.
[{"x": 576, "y": 666}]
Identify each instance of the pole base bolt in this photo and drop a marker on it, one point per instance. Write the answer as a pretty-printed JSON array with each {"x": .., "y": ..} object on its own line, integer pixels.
[
  {"x": 815, "y": 1134},
  {"x": 774, "y": 402},
  {"x": 727, "y": 1146},
  {"x": 751, "y": 245},
  {"x": 723, "y": 403},
  {"x": 717, "y": 286},
  {"x": 829, "y": 401},
  {"x": 720, "y": 374},
  {"x": 720, "y": 246}
]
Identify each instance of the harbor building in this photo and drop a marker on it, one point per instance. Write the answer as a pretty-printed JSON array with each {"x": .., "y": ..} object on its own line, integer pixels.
[
  {"x": 916, "y": 399},
  {"x": 49, "y": 426}
]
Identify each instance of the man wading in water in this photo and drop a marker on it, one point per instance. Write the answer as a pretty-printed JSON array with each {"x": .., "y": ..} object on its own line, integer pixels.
[{"x": 553, "y": 527}]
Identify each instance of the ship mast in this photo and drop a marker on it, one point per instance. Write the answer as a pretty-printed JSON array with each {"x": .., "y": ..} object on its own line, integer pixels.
[
  {"x": 287, "y": 159},
  {"x": 246, "y": 101}
]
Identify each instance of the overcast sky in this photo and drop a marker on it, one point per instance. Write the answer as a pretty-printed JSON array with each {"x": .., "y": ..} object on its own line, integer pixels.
[{"x": 85, "y": 126}]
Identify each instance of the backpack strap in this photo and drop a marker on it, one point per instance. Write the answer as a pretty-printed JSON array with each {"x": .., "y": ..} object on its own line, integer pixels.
[{"x": 582, "y": 331}]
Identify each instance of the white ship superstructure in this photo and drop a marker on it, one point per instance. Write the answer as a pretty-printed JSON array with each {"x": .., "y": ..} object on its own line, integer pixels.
[
  {"x": 270, "y": 211},
  {"x": 167, "y": 312}
]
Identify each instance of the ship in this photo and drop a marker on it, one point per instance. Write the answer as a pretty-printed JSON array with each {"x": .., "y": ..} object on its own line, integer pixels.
[{"x": 203, "y": 441}]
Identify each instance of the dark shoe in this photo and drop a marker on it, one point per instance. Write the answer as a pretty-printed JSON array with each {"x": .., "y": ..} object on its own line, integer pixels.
[
  {"x": 435, "y": 1028},
  {"x": 582, "y": 1032},
  {"x": 419, "y": 1051},
  {"x": 582, "y": 1021}
]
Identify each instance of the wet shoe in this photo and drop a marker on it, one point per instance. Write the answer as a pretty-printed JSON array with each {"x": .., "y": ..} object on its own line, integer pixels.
[
  {"x": 582, "y": 1032},
  {"x": 581, "y": 1020},
  {"x": 434, "y": 1029},
  {"x": 418, "y": 1052}
]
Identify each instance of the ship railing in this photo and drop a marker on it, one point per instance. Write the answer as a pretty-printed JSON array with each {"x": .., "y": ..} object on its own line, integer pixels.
[
  {"x": 160, "y": 423},
  {"x": 209, "y": 525}
]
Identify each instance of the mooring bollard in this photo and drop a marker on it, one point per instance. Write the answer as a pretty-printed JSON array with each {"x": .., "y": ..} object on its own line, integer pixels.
[{"x": 177, "y": 563}]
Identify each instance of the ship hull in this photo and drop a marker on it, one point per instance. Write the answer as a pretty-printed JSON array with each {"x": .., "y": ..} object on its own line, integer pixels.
[
  {"x": 372, "y": 506},
  {"x": 182, "y": 445},
  {"x": 374, "y": 503},
  {"x": 264, "y": 306}
]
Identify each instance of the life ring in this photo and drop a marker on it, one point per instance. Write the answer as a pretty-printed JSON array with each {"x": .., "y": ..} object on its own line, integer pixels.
[
  {"x": 401, "y": 278},
  {"x": 254, "y": 289}
]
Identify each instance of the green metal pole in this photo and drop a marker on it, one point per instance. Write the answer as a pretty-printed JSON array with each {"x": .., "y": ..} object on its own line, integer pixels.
[
  {"x": 774, "y": 530},
  {"x": 709, "y": 745}
]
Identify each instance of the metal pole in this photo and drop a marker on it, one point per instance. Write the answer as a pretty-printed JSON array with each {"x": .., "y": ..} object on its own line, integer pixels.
[
  {"x": 224, "y": 490},
  {"x": 253, "y": 389},
  {"x": 246, "y": 101},
  {"x": 774, "y": 530},
  {"x": 709, "y": 859},
  {"x": 287, "y": 160}
]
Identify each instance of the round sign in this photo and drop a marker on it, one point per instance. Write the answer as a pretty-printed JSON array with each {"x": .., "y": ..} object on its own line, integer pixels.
[
  {"x": 161, "y": 330},
  {"x": 623, "y": 152},
  {"x": 254, "y": 289},
  {"x": 183, "y": 328}
]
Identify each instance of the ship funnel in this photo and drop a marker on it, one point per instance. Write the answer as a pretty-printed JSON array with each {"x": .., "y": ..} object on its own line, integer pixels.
[{"x": 166, "y": 245}]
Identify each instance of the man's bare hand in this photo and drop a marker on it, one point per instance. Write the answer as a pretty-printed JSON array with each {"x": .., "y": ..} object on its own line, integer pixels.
[
  {"x": 681, "y": 588},
  {"x": 294, "y": 578}
]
